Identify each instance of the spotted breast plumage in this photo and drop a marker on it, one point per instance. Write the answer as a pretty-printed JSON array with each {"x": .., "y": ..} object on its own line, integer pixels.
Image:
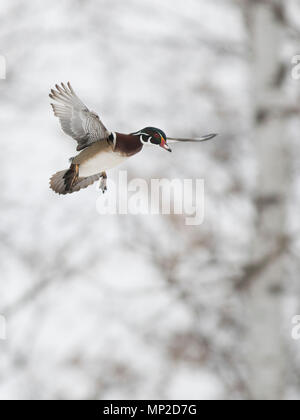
[{"x": 99, "y": 149}]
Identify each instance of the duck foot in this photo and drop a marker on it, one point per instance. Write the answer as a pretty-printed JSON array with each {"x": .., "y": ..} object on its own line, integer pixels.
[{"x": 102, "y": 182}]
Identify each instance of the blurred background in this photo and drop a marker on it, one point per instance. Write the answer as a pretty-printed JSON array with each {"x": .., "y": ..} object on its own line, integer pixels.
[{"x": 129, "y": 307}]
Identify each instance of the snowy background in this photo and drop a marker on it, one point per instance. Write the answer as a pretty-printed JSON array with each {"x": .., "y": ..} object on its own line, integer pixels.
[{"x": 144, "y": 306}]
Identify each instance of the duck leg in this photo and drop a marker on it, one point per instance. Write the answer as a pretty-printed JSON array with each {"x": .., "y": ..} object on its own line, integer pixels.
[
  {"x": 75, "y": 176},
  {"x": 70, "y": 177},
  {"x": 102, "y": 183}
]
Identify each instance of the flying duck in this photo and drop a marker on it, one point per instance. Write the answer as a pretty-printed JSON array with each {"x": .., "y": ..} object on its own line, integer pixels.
[{"x": 99, "y": 148}]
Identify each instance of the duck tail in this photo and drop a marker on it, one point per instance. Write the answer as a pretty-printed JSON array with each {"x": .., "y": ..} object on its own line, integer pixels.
[
  {"x": 65, "y": 182},
  {"x": 59, "y": 182}
]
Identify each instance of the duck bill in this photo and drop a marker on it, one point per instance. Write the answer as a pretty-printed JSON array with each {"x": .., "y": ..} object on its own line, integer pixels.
[{"x": 164, "y": 145}]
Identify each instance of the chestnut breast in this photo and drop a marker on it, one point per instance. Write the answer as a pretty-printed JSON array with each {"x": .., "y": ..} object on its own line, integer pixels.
[{"x": 127, "y": 144}]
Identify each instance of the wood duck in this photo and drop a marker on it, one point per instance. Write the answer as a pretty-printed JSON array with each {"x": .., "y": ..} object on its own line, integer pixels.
[{"x": 99, "y": 148}]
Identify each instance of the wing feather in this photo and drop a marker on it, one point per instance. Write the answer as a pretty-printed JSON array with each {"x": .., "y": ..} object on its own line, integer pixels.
[{"x": 75, "y": 118}]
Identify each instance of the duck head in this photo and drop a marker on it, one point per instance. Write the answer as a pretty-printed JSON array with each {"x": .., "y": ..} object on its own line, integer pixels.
[{"x": 155, "y": 136}]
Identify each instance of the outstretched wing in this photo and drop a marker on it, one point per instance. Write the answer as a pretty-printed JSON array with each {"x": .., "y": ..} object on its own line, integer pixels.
[{"x": 75, "y": 118}]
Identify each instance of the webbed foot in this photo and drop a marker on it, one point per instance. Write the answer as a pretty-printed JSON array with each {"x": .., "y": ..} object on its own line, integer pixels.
[{"x": 102, "y": 182}]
